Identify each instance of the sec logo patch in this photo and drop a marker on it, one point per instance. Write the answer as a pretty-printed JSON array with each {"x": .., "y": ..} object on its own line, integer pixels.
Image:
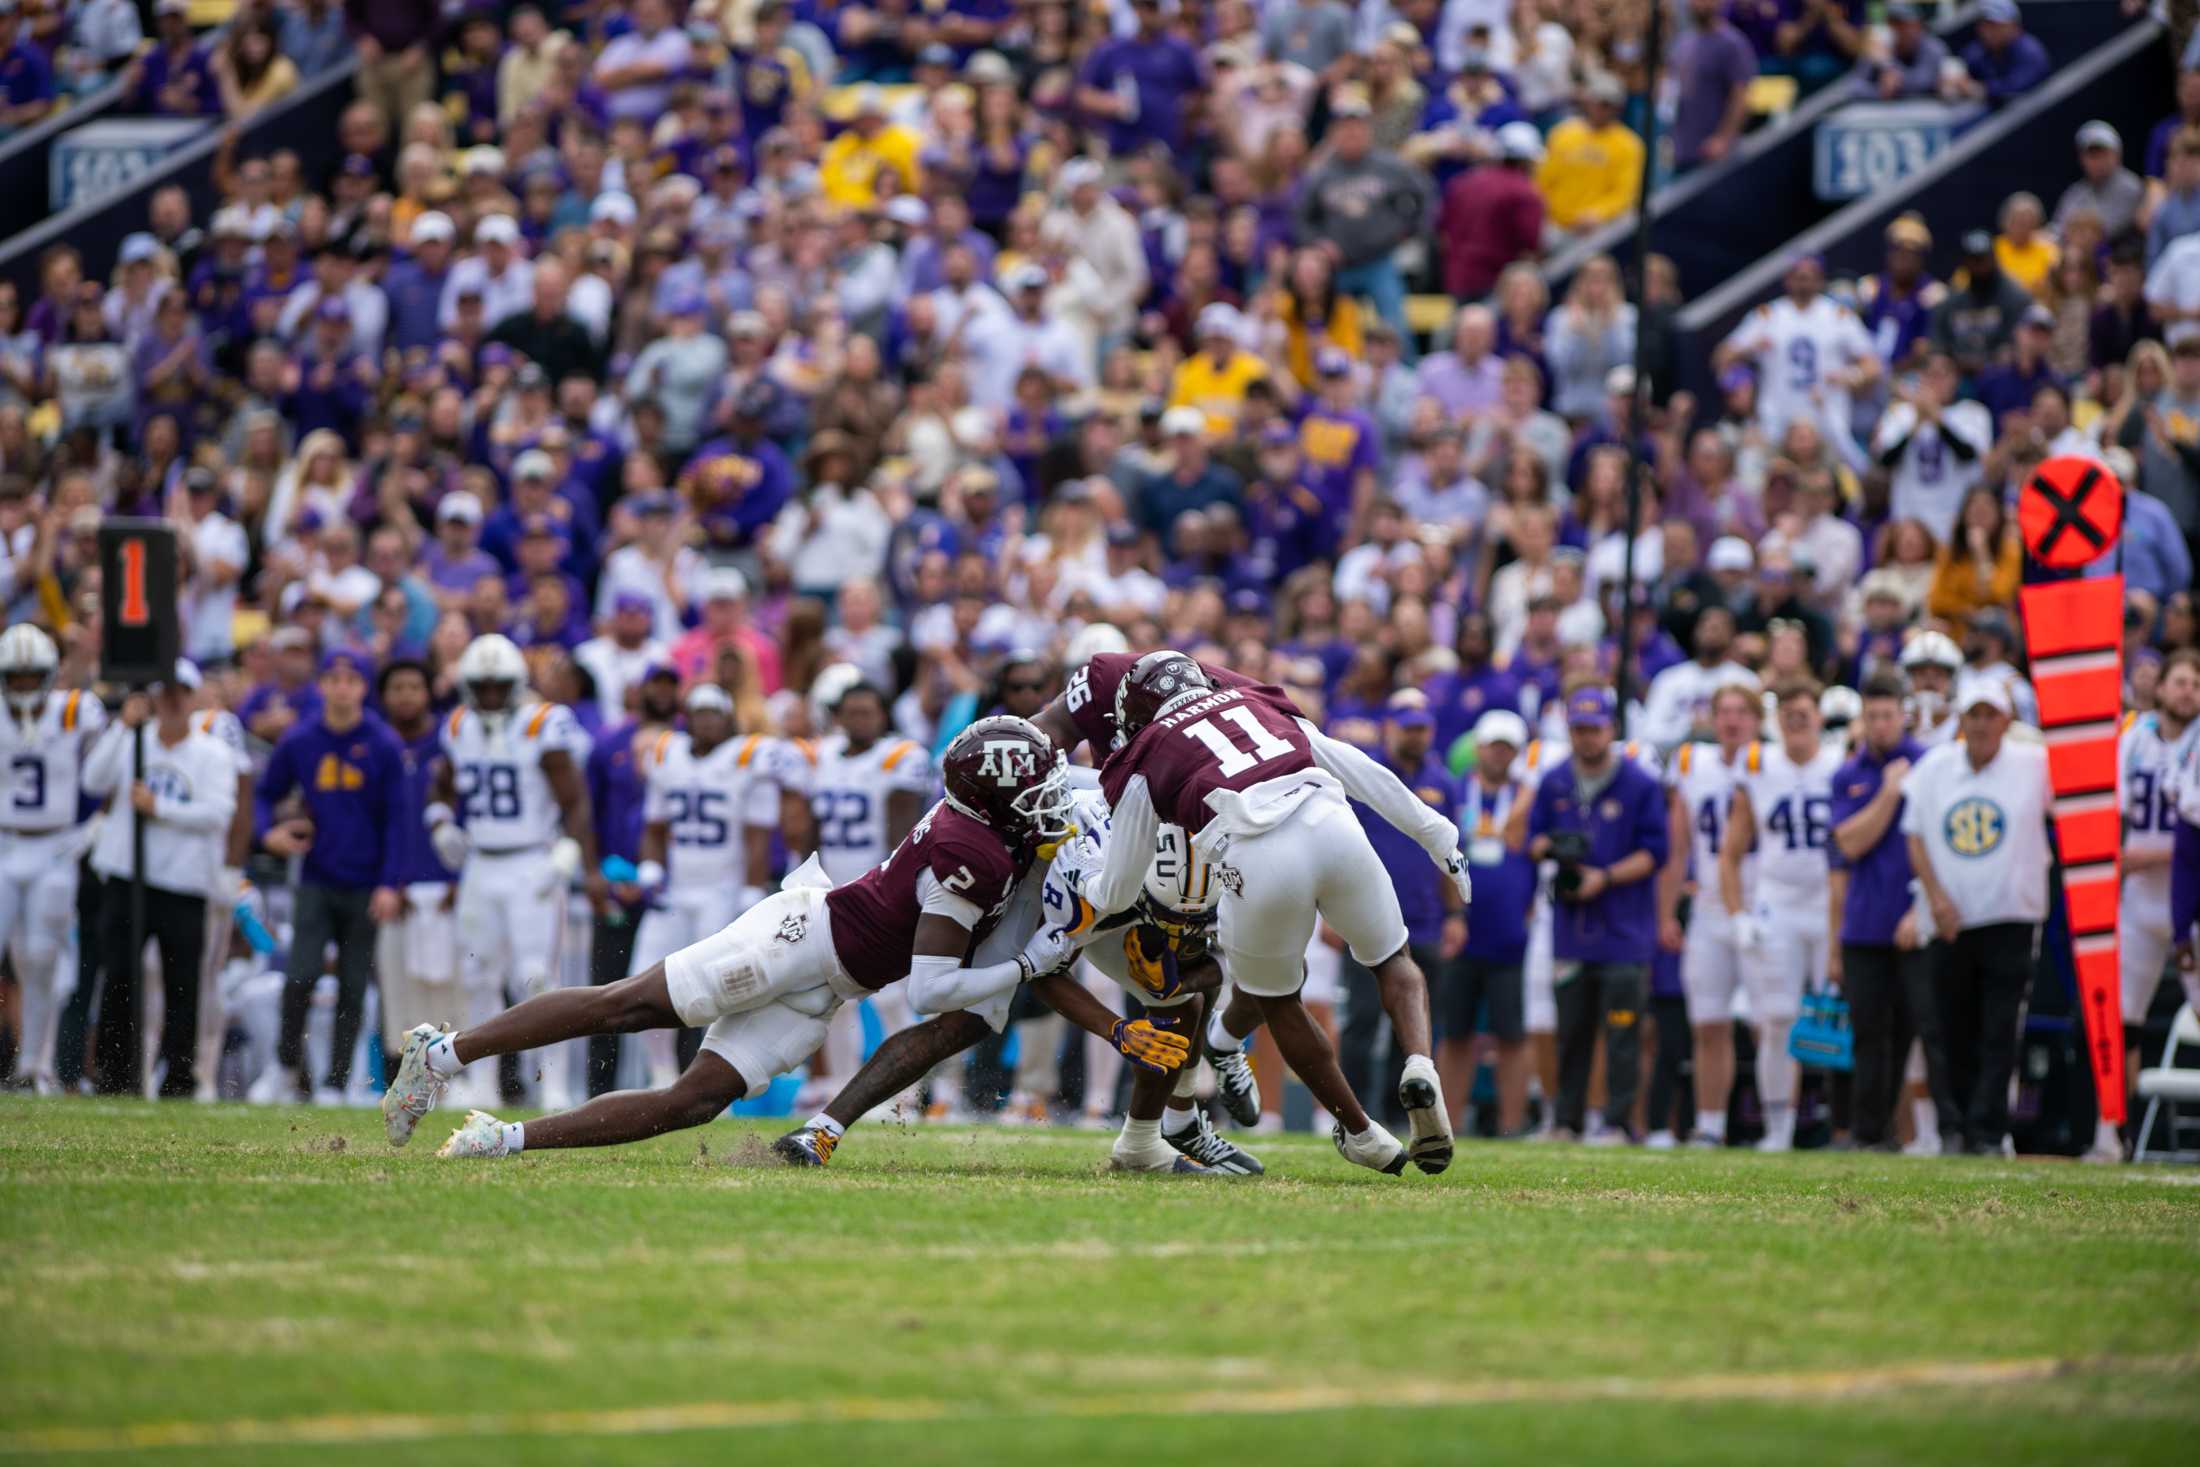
[{"x": 1974, "y": 826}]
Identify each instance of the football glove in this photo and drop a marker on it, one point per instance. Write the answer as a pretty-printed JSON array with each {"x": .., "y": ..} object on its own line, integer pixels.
[
  {"x": 1145, "y": 951},
  {"x": 1049, "y": 951},
  {"x": 1149, "y": 1048},
  {"x": 1455, "y": 867}
]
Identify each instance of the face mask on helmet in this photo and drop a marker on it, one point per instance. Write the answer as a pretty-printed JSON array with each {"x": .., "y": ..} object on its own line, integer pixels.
[
  {"x": 1046, "y": 811},
  {"x": 28, "y": 662}
]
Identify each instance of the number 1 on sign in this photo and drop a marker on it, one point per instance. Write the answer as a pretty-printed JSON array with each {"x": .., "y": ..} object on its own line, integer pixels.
[
  {"x": 134, "y": 611},
  {"x": 1233, "y": 760}
]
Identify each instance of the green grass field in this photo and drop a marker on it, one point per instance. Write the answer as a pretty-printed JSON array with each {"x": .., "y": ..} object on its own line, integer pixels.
[{"x": 222, "y": 1285}]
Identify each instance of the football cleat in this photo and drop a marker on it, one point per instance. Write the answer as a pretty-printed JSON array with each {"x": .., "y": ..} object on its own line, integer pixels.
[
  {"x": 1374, "y": 1148},
  {"x": 1423, "y": 1098},
  {"x": 1201, "y": 1143},
  {"x": 416, "y": 1089},
  {"x": 806, "y": 1146},
  {"x": 1235, "y": 1084},
  {"x": 1153, "y": 1158},
  {"x": 481, "y": 1135}
]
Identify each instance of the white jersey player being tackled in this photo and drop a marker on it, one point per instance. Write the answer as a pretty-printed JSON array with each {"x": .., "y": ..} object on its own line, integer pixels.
[
  {"x": 1157, "y": 952},
  {"x": 511, "y": 772},
  {"x": 1262, "y": 793},
  {"x": 2158, "y": 759},
  {"x": 768, "y": 984},
  {"x": 43, "y": 739},
  {"x": 1783, "y": 811}
]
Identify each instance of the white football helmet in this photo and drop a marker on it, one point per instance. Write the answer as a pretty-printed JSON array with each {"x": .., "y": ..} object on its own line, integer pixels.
[
  {"x": 487, "y": 660},
  {"x": 27, "y": 652},
  {"x": 1180, "y": 883}
]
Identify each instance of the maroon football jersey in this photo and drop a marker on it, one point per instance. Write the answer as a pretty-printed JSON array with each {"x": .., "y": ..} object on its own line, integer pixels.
[
  {"x": 1228, "y": 740},
  {"x": 1089, "y": 695},
  {"x": 875, "y": 916}
]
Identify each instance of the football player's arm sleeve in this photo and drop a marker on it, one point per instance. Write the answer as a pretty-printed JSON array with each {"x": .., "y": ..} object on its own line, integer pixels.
[
  {"x": 1384, "y": 793},
  {"x": 1130, "y": 850},
  {"x": 940, "y": 985}
]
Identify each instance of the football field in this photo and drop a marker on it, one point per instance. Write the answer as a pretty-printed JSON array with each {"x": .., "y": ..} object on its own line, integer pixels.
[{"x": 198, "y": 1285}]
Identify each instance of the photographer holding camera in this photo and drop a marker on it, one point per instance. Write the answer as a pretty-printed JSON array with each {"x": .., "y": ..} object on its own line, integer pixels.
[{"x": 1602, "y": 819}]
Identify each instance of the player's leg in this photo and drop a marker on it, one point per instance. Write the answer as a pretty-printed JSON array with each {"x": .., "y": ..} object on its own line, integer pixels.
[
  {"x": 1172, "y": 1102},
  {"x": 221, "y": 921},
  {"x": 901, "y": 1062},
  {"x": 1776, "y": 974},
  {"x": 697, "y": 1097},
  {"x": 116, "y": 1047},
  {"x": 1229, "y": 1024},
  {"x": 41, "y": 930},
  {"x": 1354, "y": 895},
  {"x": 1307, "y": 1050},
  {"x": 1710, "y": 972},
  {"x": 2142, "y": 955}
]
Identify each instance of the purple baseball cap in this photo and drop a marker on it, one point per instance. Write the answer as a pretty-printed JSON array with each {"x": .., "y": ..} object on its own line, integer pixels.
[
  {"x": 1741, "y": 374},
  {"x": 1408, "y": 708},
  {"x": 630, "y": 601},
  {"x": 1278, "y": 435},
  {"x": 1589, "y": 708},
  {"x": 1332, "y": 361},
  {"x": 656, "y": 670}
]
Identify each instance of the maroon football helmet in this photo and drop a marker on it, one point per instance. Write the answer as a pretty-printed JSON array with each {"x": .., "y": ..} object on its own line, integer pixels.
[
  {"x": 1005, "y": 772},
  {"x": 1154, "y": 683}
]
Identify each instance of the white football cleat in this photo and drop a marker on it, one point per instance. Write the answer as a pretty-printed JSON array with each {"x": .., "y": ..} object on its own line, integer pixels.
[
  {"x": 415, "y": 1088},
  {"x": 1659, "y": 1141},
  {"x": 1374, "y": 1148},
  {"x": 1422, "y": 1095},
  {"x": 1157, "y": 1156},
  {"x": 481, "y": 1135}
]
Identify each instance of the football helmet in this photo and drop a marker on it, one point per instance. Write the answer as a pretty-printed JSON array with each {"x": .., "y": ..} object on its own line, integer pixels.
[
  {"x": 488, "y": 664},
  {"x": 1181, "y": 889},
  {"x": 1005, "y": 772},
  {"x": 1932, "y": 649},
  {"x": 1156, "y": 684},
  {"x": 28, "y": 662}
]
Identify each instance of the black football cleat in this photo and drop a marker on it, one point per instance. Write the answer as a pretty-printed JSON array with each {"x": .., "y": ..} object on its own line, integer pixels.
[{"x": 1204, "y": 1145}]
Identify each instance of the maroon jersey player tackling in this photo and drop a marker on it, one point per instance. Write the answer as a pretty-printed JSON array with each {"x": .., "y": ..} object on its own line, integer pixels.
[
  {"x": 1263, "y": 793},
  {"x": 767, "y": 983}
]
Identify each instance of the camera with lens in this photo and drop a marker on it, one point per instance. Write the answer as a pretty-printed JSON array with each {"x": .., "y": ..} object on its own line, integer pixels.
[{"x": 1570, "y": 849}]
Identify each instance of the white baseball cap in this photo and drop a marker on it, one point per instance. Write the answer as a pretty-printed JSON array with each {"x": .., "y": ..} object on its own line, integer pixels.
[
  {"x": 1990, "y": 691},
  {"x": 725, "y": 583},
  {"x": 460, "y": 504},
  {"x": 1499, "y": 726},
  {"x": 1218, "y": 318},
  {"x": 1730, "y": 553},
  {"x": 1519, "y": 142},
  {"x": 1183, "y": 420},
  {"x": 433, "y": 225},
  {"x": 614, "y": 207},
  {"x": 497, "y": 229},
  {"x": 533, "y": 464}
]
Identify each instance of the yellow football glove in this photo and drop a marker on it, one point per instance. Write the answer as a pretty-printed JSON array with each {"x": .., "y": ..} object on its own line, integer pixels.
[{"x": 1150, "y": 1048}]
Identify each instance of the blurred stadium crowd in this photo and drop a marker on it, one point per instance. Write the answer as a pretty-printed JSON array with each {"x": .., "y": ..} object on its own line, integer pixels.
[{"x": 747, "y": 339}]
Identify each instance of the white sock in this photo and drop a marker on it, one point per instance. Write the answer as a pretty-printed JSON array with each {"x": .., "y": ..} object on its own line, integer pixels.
[
  {"x": 442, "y": 1057},
  {"x": 1175, "y": 1121},
  {"x": 1138, "y": 1135},
  {"x": 1926, "y": 1117},
  {"x": 515, "y": 1137},
  {"x": 824, "y": 1122},
  {"x": 1219, "y": 1037},
  {"x": 1712, "y": 1124},
  {"x": 1780, "y": 1122}
]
